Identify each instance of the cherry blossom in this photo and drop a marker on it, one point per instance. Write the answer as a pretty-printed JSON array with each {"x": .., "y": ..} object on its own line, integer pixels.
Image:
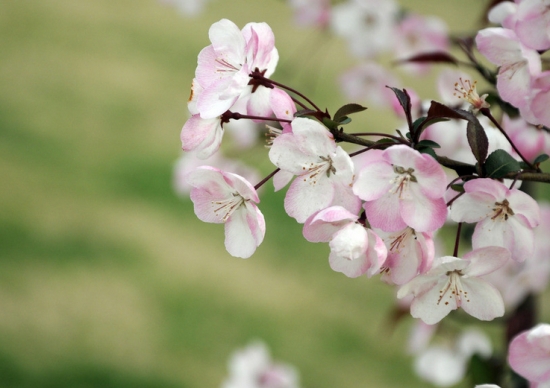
[
  {"x": 533, "y": 23},
  {"x": 504, "y": 217},
  {"x": 445, "y": 364},
  {"x": 417, "y": 34},
  {"x": 518, "y": 64},
  {"x": 368, "y": 82},
  {"x": 530, "y": 140},
  {"x": 252, "y": 367},
  {"x": 311, "y": 12},
  {"x": 188, "y": 162},
  {"x": 517, "y": 280},
  {"x": 367, "y": 25},
  {"x": 356, "y": 250},
  {"x": 410, "y": 253},
  {"x": 529, "y": 354},
  {"x": 223, "y": 197},
  {"x": 403, "y": 188},
  {"x": 324, "y": 170},
  {"x": 453, "y": 282},
  {"x": 224, "y": 66}
]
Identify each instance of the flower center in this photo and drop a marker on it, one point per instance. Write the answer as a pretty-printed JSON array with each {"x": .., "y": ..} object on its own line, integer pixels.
[
  {"x": 397, "y": 242},
  {"x": 466, "y": 90},
  {"x": 224, "y": 208},
  {"x": 316, "y": 169},
  {"x": 453, "y": 289},
  {"x": 502, "y": 211},
  {"x": 401, "y": 181},
  {"x": 225, "y": 66}
]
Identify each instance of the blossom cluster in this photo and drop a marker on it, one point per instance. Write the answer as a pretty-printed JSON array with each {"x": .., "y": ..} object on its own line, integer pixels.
[{"x": 380, "y": 208}]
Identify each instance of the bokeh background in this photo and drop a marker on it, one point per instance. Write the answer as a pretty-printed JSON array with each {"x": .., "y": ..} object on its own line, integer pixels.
[{"x": 107, "y": 279}]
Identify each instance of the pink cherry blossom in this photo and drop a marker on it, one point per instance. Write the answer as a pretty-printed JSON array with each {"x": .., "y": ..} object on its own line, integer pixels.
[
  {"x": 417, "y": 34},
  {"x": 517, "y": 280},
  {"x": 367, "y": 25},
  {"x": 403, "y": 188},
  {"x": 410, "y": 253},
  {"x": 504, "y": 217},
  {"x": 188, "y": 162},
  {"x": 452, "y": 283},
  {"x": 311, "y": 12},
  {"x": 356, "y": 250},
  {"x": 518, "y": 64},
  {"x": 533, "y": 23},
  {"x": 530, "y": 140},
  {"x": 252, "y": 367},
  {"x": 223, "y": 197},
  {"x": 367, "y": 82},
  {"x": 540, "y": 100},
  {"x": 324, "y": 171},
  {"x": 321, "y": 226},
  {"x": 529, "y": 354},
  {"x": 224, "y": 67}
]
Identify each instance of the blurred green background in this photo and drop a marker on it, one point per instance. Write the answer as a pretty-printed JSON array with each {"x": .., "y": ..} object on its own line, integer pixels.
[{"x": 107, "y": 279}]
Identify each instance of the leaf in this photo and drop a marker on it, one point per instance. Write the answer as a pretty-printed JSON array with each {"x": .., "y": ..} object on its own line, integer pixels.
[
  {"x": 347, "y": 110},
  {"x": 427, "y": 150},
  {"x": 405, "y": 101},
  {"x": 428, "y": 143},
  {"x": 430, "y": 57},
  {"x": 330, "y": 124},
  {"x": 477, "y": 139},
  {"x": 458, "y": 188},
  {"x": 386, "y": 140},
  {"x": 344, "y": 120},
  {"x": 541, "y": 158},
  {"x": 499, "y": 163}
]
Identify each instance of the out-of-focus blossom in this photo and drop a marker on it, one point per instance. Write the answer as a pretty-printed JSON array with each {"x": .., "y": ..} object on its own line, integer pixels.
[
  {"x": 252, "y": 367},
  {"x": 538, "y": 112},
  {"x": 445, "y": 365},
  {"x": 505, "y": 218},
  {"x": 530, "y": 140},
  {"x": 452, "y": 283},
  {"x": 223, "y": 197},
  {"x": 188, "y": 7},
  {"x": 529, "y": 355},
  {"x": 367, "y": 25},
  {"x": 533, "y": 23},
  {"x": 518, "y": 64},
  {"x": 417, "y": 34},
  {"x": 367, "y": 82},
  {"x": 311, "y": 12}
]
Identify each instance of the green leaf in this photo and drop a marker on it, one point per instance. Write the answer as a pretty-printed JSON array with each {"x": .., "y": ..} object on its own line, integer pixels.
[
  {"x": 386, "y": 140},
  {"x": 347, "y": 110},
  {"x": 344, "y": 120},
  {"x": 541, "y": 158},
  {"x": 427, "y": 150},
  {"x": 458, "y": 188},
  {"x": 499, "y": 163},
  {"x": 428, "y": 143},
  {"x": 330, "y": 124}
]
